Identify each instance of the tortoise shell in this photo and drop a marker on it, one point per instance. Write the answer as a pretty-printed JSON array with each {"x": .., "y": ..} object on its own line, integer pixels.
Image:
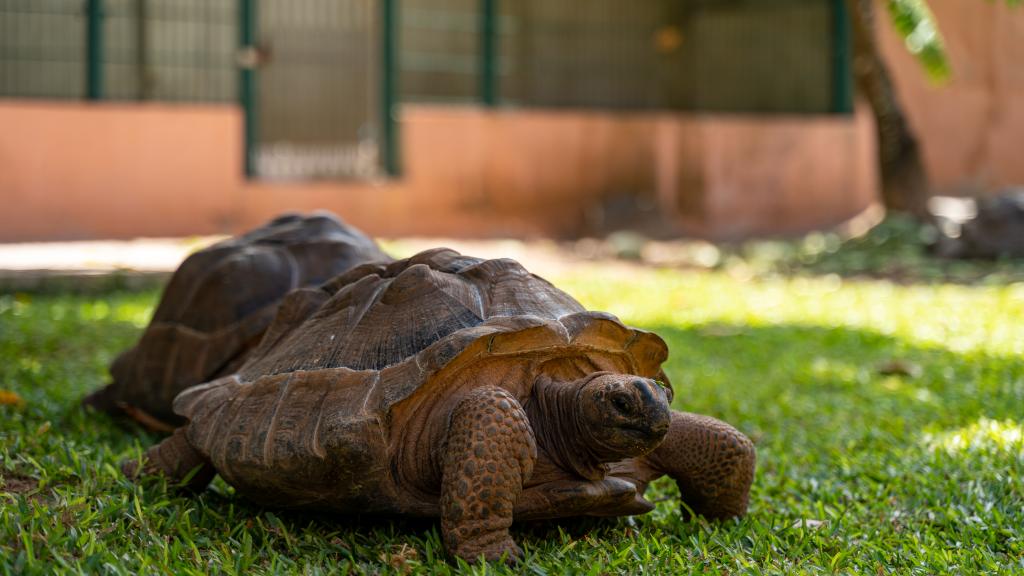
[
  {"x": 218, "y": 304},
  {"x": 380, "y": 315},
  {"x": 355, "y": 372}
]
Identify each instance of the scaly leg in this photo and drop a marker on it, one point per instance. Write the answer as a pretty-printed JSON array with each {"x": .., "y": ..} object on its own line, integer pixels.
[
  {"x": 570, "y": 498},
  {"x": 489, "y": 455},
  {"x": 712, "y": 462},
  {"x": 175, "y": 458}
]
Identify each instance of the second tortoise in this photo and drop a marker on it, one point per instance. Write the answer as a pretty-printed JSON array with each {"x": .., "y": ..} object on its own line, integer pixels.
[{"x": 217, "y": 306}]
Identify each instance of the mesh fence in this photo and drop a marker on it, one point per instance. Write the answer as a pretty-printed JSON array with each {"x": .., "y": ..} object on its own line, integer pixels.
[
  {"x": 42, "y": 51},
  {"x": 319, "y": 89},
  {"x": 314, "y": 109},
  {"x": 172, "y": 50},
  {"x": 701, "y": 55},
  {"x": 440, "y": 44}
]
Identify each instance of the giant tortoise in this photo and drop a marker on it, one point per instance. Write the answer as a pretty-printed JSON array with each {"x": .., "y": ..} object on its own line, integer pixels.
[
  {"x": 217, "y": 305},
  {"x": 445, "y": 385}
]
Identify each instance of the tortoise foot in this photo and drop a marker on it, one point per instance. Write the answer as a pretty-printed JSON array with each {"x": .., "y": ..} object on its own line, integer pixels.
[
  {"x": 490, "y": 549},
  {"x": 569, "y": 498},
  {"x": 176, "y": 459}
]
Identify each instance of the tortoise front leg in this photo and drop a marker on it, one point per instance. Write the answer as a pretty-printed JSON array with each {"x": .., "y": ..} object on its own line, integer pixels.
[
  {"x": 711, "y": 462},
  {"x": 489, "y": 455},
  {"x": 570, "y": 498},
  {"x": 175, "y": 458}
]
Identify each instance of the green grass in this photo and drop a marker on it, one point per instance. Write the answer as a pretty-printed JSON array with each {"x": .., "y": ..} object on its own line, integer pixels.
[
  {"x": 897, "y": 249},
  {"x": 859, "y": 472}
]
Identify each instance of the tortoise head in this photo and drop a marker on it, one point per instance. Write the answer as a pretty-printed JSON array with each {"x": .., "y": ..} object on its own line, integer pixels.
[{"x": 623, "y": 416}]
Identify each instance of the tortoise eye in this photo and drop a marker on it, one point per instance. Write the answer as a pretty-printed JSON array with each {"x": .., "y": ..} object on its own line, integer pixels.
[{"x": 622, "y": 405}]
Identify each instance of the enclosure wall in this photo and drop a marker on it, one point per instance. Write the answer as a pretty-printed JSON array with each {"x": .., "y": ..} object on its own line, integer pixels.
[
  {"x": 971, "y": 127},
  {"x": 73, "y": 170}
]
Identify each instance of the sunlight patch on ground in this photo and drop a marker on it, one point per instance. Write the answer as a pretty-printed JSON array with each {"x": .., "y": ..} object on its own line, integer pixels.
[
  {"x": 957, "y": 318},
  {"x": 985, "y": 435},
  {"x": 918, "y": 393}
]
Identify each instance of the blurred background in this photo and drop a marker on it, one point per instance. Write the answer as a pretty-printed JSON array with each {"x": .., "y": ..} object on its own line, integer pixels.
[
  {"x": 717, "y": 119},
  {"x": 816, "y": 203}
]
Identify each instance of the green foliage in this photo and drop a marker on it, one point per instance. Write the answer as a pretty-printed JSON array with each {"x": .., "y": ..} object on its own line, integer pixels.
[
  {"x": 896, "y": 250},
  {"x": 860, "y": 470},
  {"x": 914, "y": 22}
]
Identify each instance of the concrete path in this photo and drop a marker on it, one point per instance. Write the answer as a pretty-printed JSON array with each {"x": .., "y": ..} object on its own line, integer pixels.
[{"x": 91, "y": 266}]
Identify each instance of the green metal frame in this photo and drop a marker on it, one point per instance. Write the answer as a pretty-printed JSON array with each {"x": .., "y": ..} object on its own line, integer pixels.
[
  {"x": 94, "y": 49},
  {"x": 247, "y": 90},
  {"x": 842, "y": 66},
  {"x": 489, "y": 52},
  {"x": 389, "y": 87}
]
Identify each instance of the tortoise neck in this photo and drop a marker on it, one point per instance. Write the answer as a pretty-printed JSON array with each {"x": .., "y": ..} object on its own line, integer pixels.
[{"x": 557, "y": 423}]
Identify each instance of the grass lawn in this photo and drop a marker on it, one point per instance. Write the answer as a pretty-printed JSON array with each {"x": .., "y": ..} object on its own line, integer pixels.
[{"x": 889, "y": 422}]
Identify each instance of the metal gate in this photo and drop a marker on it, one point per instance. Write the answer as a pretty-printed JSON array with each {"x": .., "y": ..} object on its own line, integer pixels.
[
  {"x": 314, "y": 77},
  {"x": 315, "y": 88}
]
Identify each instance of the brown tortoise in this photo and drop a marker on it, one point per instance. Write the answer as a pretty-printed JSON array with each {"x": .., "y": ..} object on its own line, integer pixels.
[
  {"x": 444, "y": 385},
  {"x": 217, "y": 306}
]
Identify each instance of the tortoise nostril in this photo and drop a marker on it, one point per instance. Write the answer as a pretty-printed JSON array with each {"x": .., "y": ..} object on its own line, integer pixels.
[{"x": 645, "y": 390}]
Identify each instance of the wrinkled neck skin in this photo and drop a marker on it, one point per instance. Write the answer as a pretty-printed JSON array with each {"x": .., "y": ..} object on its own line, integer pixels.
[{"x": 556, "y": 419}]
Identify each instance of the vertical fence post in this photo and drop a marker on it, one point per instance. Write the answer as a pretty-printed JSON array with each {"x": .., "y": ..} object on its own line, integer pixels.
[
  {"x": 389, "y": 87},
  {"x": 94, "y": 49},
  {"x": 489, "y": 52},
  {"x": 842, "y": 66},
  {"x": 247, "y": 91}
]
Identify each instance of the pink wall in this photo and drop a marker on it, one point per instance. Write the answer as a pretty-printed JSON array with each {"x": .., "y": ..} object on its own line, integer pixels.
[
  {"x": 475, "y": 173},
  {"x": 972, "y": 129},
  {"x": 73, "y": 170},
  {"x": 733, "y": 177}
]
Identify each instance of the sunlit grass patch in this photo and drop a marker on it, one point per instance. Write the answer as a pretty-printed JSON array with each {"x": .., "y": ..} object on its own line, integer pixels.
[{"x": 984, "y": 435}]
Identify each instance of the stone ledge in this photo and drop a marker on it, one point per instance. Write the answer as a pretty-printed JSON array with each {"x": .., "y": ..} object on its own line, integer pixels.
[{"x": 80, "y": 281}]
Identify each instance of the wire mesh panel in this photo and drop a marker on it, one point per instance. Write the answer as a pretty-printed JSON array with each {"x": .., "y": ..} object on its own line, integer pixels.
[
  {"x": 171, "y": 50},
  {"x": 319, "y": 88},
  {"x": 42, "y": 48},
  {"x": 701, "y": 55},
  {"x": 440, "y": 44},
  {"x": 752, "y": 56},
  {"x": 125, "y": 31},
  {"x": 601, "y": 55},
  {"x": 441, "y": 48}
]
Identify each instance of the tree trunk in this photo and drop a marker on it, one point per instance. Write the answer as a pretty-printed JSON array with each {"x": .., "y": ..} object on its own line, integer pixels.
[{"x": 905, "y": 186}]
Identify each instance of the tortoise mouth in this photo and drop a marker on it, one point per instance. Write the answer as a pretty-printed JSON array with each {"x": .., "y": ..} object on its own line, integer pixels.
[{"x": 644, "y": 436}]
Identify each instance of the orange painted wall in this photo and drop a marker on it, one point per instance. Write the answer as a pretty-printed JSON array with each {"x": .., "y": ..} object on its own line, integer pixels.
[
  {"x": 73, "y": 170},
  {"x": 70, "y": 171},
  {"x": 971, "y": 129},
  {"x": 730, "y": 177}
]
